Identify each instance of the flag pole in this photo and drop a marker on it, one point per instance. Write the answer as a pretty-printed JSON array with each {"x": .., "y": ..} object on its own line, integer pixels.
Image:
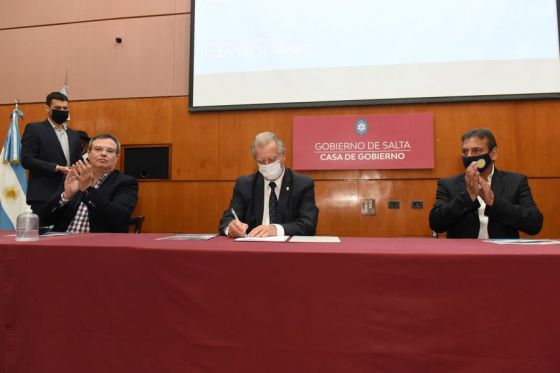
[{"x": 13, "y": 181}]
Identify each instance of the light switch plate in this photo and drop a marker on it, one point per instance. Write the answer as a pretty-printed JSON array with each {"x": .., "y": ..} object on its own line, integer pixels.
[{"x": 368, "y": 206}]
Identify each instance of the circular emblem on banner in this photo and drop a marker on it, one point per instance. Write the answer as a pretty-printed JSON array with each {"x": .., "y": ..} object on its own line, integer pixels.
[{"x": 361, "y": 127}]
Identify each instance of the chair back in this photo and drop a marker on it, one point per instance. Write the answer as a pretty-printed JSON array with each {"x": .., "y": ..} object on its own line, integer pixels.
[{"x": 135, "y": 224}]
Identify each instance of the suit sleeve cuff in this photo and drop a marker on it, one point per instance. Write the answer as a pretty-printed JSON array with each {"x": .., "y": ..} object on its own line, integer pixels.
[{"x": 63, "y": 200}]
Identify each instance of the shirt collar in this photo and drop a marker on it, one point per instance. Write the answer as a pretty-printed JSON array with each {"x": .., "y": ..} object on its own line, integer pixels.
[
  {"x": 491, "y": 174},
  {"x": 278, "y": 181},
  {"x": 101, "y": 180},
  {"x": 55, "y": 126}
]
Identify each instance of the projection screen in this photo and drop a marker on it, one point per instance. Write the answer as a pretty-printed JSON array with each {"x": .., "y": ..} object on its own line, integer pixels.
[{"x": 288, "y": 53}]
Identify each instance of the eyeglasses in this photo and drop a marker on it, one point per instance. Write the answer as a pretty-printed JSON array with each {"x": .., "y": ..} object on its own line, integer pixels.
[{"x": 100, "y": 149}]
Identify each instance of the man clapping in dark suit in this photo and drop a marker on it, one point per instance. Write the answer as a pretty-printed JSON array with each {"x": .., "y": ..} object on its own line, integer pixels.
[
  {"x": 484, "y": 202},
  {"x": 47, "y": 150},
  {"x": 94, "y": 197},
  {"x": 275, "y": 201}
]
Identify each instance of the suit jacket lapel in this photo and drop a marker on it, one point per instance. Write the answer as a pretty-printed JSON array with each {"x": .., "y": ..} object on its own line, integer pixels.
[
  {"x": 108, "y": 181},
  {"x": 258, "y": 193},
  {"x": 285, "y": 192},
  {"x": 54, "y": 139},
  {"x": 497, "y": 183}
]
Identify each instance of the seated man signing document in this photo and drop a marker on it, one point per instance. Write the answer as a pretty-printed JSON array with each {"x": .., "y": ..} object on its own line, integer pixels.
[{"x": 275, "y": 201}]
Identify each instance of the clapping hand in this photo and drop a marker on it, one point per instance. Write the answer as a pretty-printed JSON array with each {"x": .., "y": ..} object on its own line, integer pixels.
[
  {"x": 477, "y": 185},
  {"x": 84, "y": 174},
  {"x": 70, "y": 184},
  {"x": 472, "y": 180},
  {"x": 486, "y": 192}
]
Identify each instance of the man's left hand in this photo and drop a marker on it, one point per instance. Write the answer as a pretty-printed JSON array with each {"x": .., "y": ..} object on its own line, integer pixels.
[
  {"x": 85, "y": 174},
  {"x": 263, "y": 231}
]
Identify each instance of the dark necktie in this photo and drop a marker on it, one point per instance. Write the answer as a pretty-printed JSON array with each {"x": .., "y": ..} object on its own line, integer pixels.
[{"x": 272, "y": 203}]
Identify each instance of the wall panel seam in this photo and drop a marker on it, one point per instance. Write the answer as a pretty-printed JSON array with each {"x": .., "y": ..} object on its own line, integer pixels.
[{"x": 93, "y": 20}]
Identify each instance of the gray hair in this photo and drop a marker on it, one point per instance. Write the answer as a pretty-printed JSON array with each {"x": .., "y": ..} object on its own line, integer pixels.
[{"x": 264, "y": 138}]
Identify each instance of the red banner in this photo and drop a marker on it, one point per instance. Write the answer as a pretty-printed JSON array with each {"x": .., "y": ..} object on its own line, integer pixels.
[{"x": 349, "y": 142}]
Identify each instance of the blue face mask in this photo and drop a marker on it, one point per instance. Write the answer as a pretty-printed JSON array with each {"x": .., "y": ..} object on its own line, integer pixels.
[{"x": 483, "y": 161}]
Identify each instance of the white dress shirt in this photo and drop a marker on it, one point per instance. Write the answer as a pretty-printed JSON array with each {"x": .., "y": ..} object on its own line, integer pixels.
[
  {"x": 266, "y": 216},
  {"x": 483, "y": 231},
  {"x": 63, "y": 139},
  {"x": 267, "y": 189}
]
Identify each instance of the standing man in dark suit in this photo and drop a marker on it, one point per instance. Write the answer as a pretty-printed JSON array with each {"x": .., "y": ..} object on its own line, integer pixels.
[
  {"x": 484, "y": 202},
  {"x": 47, "y": 150},
  {"x": 275, "y": 201},
  {"x": 94, "y": 197}
]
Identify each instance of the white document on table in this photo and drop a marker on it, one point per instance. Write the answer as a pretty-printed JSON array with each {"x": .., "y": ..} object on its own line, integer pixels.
[
  {"x": 263, "y": 239},
  {"x": 189, "y": 237},
  {"x": 523, "y": 241},
  {"x": 310, "y": 239}
]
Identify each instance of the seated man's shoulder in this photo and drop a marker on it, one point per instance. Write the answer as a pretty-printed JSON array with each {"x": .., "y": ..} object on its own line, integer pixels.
[
  {"x": 39, "y": 124},
  {"x": 300, "y": 177},
  {"x": 247, "y": 179},
  {"x": 121, "y": 177},
  {"x": 510, "y": 175},
  {"x": 36, "y": 125},
  {"x": 453, "y": 179}
]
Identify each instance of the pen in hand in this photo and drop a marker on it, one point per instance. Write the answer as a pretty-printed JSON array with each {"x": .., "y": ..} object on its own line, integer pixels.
[{"x": 236, "y": 218}]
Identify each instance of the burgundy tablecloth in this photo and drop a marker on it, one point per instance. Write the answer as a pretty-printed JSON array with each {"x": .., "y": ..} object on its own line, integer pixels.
[{"x": 131, "y": 303}]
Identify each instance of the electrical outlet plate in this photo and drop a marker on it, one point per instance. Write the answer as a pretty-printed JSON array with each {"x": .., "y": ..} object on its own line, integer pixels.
[
  {"x": 417, "y": 204},
  {"x": 368, "y": 207}
]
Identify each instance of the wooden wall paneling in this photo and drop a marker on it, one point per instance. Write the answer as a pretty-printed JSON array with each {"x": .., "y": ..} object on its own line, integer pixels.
[
  {"x": 197, "y": 206},
  {"x": 9, "y": 89},
  {"x": 338, "y": 212},
  {"x": 106, "y": 9},
  {"x": 183, "y": 6},
  {"x": 520, "y": 128},
  {"x": 196, "y": 155},
  {"x": 211, "y": 149},
  {"x": 143, "y": 65},
  {"x": 224, "y": 138},
  {"x": 545, "y": 192},
  {"x": 25, "y": 13},
  {"x": 181, "y": 53},
  {"x": 537, "y": 126},
  {"x": 38, "y": 61},
  {"x": 147, "y": 121},
  {"x": 401, "y": 222},
  {"x": 187, "y": 207},
  {"x": 151, "y": 61},
  {"x": 96, "y": 117},
  {"x": 32, "y": 113}
]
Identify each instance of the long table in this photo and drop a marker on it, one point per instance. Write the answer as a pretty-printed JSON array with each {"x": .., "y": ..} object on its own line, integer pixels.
[{"x": 132, "y": 303}]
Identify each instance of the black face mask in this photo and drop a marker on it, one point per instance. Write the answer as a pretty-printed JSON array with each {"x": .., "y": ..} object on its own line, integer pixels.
[
  {"x": 483, "y": 161},
  {"x": 59, "y": 116}
]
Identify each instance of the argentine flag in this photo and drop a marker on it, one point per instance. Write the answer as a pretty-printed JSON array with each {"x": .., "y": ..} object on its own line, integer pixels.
[{"x": 13, "y": 184}]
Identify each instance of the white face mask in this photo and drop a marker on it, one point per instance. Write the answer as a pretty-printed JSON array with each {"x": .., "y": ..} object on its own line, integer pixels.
[{"x": 271, "y": 171}]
